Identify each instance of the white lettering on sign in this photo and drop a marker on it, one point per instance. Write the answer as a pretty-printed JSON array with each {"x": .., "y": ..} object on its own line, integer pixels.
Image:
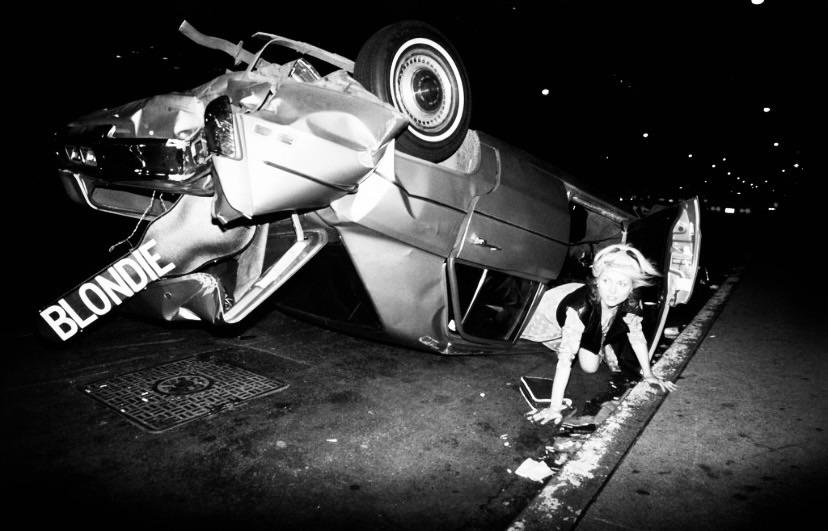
[
  {"x": 106, "y": 304},
  {"x": 126, "y": 277},
  {"x": 110, "y": 287},
  {"x": 128, "y": 269}
]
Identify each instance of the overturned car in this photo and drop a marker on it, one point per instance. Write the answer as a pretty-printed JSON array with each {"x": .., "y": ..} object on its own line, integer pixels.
[{"x": 360, "y": 199}]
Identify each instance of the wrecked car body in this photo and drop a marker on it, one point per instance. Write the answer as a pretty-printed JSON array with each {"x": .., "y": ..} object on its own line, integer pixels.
[{"x": 360, "y": 199}]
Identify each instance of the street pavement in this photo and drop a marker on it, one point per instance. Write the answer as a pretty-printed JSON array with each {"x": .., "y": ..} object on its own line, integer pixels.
[{"x": 366, "y": 436}]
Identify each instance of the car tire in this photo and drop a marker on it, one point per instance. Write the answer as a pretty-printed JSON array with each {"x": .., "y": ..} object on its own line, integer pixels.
[{"x": 414, "y": 67}]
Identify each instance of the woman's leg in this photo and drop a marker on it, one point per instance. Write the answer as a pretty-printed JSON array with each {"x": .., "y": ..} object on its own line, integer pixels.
[
  {"x": 589, "y": 361},
  {"x": 611, "y": 358}
]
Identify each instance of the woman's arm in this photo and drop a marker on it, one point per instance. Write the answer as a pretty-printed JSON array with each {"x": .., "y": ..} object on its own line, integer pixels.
[
  {"x": 639, "y": 345},
  {"x": 570, "y": 343}
]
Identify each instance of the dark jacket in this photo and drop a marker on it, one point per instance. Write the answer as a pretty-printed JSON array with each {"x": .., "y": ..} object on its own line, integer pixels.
[{"x": 589, "y": 310}]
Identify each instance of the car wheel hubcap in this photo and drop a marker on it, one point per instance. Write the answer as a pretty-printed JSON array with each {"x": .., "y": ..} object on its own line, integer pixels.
[{"x": 426, "y": 89}]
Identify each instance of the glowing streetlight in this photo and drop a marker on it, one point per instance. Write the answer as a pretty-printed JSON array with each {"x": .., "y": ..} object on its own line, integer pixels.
[
  {"x": 766, "y": 109},
  {"x": 545, "y": 92},
  {"x": 776, "y": 144},
  {"x": 645, "y": 135},
  {"x": 796, "y": 164},
  {"x": 757, "y": 2},
  {"x": 689, "y": 155}
]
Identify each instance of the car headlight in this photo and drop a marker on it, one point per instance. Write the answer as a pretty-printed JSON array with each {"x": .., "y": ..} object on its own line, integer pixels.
[
  {"x": 80, "y": 155},
  {"x": 220, "y": 127},
  {"x": 88, "y": 156}
]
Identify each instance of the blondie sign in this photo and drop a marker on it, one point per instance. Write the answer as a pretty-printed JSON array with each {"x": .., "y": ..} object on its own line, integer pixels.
[{"x": 109, "y": 288}]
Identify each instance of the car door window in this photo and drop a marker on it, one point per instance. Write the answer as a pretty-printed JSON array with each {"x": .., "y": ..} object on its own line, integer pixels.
[{"x": 489, "y": 304}]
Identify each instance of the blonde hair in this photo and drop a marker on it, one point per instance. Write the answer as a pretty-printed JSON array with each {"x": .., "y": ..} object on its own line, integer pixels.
[{"x": 626, "y": 259}]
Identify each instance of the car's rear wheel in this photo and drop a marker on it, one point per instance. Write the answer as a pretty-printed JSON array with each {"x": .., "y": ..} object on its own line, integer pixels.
[{"x": 415, "y": 68}]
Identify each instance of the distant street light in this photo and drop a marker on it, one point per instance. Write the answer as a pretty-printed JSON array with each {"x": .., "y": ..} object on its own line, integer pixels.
[
  {"x": 545, "y": 92},
  {"x": 757, "y": 2},
  {"x": 766, "y": 109}
]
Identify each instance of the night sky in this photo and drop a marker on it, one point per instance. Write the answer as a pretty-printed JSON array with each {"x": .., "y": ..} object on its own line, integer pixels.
[{"x": 694, "y": 77}]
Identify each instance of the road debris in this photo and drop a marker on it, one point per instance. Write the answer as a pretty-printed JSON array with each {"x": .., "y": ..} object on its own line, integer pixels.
[{"x": 534, "y": 470}]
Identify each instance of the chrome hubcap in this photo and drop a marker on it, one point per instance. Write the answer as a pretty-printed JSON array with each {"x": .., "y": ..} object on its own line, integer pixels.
[{"x": 425, "y": 91}]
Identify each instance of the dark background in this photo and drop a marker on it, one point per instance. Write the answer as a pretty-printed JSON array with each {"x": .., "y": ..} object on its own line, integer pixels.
[{"x": 694, "y": 76}]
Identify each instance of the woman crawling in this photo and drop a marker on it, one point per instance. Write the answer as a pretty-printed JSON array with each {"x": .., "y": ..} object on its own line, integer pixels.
[{"x": 573, "y": 319}]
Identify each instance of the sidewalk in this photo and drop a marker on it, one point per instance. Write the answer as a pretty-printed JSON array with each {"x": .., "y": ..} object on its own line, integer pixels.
[{"x": 742, "y": 443}]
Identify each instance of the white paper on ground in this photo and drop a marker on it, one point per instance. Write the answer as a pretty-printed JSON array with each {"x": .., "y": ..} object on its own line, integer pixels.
[{"x": 534, "y": 470}]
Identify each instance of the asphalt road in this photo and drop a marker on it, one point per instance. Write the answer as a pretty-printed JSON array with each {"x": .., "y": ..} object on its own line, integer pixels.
[{"x": 366, "y": 435}]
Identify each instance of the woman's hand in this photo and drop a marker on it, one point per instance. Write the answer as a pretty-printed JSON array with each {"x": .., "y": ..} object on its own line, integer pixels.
[
  {"x": 553, "y": 414},
  {"x": 665, "y": 385},
  {"x": 543, "y": 416}
]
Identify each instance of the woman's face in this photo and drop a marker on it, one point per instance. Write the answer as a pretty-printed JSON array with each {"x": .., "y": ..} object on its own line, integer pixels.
[{"x": 614, "y": 287}]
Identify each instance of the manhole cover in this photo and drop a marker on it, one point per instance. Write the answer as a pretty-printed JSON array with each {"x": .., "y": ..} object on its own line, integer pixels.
[
  {"x": 166, "y": 396},
  {"x": 185, "y": 384}
]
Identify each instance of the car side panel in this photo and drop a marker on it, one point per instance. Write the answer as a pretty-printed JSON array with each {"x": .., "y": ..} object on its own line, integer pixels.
[
  {"x": 492, "y": 243},
  {"x": 527, "y": 195},
  {"x": 406, "y": 285},
  {"x": 416, "y": 202},
  {"x": 522, "y": 226}
]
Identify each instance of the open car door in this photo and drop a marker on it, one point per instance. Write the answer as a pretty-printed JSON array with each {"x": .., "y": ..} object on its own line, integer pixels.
[{"x": 677, "y": 226}]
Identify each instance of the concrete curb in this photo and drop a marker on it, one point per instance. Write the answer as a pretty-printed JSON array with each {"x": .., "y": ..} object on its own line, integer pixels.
[{"x": 570, "y": 491}]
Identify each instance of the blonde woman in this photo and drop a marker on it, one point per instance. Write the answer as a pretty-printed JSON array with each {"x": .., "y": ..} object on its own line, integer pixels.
[{"x": 573, "y": 319}]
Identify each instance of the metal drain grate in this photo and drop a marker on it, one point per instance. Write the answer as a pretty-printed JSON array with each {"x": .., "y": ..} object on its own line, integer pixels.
[{"x": 166, "y": 396}]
